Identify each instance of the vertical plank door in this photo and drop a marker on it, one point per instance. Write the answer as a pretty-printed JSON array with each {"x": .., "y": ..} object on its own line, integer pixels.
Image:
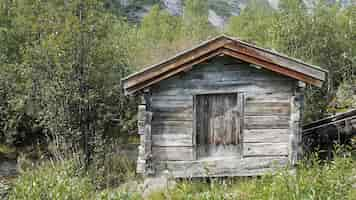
[{"x": 218, "y": 124}]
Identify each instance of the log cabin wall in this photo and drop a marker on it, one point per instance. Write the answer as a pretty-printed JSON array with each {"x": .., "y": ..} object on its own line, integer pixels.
[{"x": 270, "y": 119}]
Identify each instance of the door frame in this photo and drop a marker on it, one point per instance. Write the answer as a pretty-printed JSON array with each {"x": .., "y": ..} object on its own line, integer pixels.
[{"x": 240, "y": 98}]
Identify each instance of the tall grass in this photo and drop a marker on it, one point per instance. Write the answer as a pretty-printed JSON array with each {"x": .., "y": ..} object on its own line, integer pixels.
[
  {"x": 313, "y": 180},
  {"x": 68, "y": 181},
  {"x": 60, "y": 180}
]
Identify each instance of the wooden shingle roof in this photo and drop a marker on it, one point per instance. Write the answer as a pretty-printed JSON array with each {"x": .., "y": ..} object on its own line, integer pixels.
[{"x": 224, "y": 45}]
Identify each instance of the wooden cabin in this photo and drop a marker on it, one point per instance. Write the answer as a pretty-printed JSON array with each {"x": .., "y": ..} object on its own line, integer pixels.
[{"x": 222, "y": 108}]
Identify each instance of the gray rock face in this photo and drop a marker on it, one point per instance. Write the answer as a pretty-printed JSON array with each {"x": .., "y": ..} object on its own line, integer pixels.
[
  {"x": 174, "y": 7},
  {"x": 215, "y": 19},
  {"x": 274, "y": 3},
  {"x": 219, "y": 10}
]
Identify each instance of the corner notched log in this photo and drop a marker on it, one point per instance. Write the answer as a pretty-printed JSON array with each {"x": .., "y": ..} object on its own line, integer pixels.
[{"x": 144, "y": 161}]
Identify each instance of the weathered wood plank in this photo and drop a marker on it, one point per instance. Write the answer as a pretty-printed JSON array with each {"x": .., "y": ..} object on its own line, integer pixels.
[
  {"x": 172, "y": 140},
  {"x": 172, "y": 123},
  {"x": 223, "y": 75},
  {"x": 254, "y": 108},
  {"x": 172, "y": 127},
  {"x": 212, "y": 150},
  {"x": 173, "y": 153},
  {"x": 172, "y": 104},
  {"x": 271, "y": 85},
  {"x": 265, "y": 149},
  {"x": 266, "y": 122},
  {"x": 268, "y": 97},
  {"x": 161, "y": 130},
  {"x": 266, "y": 135},
  {"x": 169, "y": 98},
  {"x": 220, "y": 167},
  {"x": 247, "y": 88},
  {"x": 178, "y": 115}
]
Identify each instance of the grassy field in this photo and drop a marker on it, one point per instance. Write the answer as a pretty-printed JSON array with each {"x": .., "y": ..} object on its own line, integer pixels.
[{"x": 311, "y": 180}]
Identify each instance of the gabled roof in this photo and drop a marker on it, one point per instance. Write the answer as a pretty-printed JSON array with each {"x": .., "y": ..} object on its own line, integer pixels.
[{"x": 224, "y": 45}]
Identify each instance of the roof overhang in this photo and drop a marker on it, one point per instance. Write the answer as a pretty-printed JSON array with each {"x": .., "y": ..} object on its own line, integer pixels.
[{"x": 228, "y": 46}]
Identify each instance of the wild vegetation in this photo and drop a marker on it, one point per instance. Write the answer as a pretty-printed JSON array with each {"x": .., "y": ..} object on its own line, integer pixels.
[
  {"x": 61, "y": 65},
  {"x": 312, "y": 180}
]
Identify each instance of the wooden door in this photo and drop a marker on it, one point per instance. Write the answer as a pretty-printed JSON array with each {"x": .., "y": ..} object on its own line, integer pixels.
[{"x": 219, "y": 124}]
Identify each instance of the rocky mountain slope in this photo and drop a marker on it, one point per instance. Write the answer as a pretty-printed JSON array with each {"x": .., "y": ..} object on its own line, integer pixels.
[{"x": 219, "y": 10}]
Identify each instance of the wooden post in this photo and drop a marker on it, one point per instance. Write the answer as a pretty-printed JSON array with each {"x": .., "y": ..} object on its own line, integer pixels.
[
  {"x": 295, "y": 139},
  {"x": 144, "y": 118},
  {"x": 141, "y": 162}
]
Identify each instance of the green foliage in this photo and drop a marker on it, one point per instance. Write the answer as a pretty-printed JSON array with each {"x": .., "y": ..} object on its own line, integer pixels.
[
  {"x": 62, "y": 180},
  {"x": 196, "y": 23},
  {"x": 61, "y": 63},
  {"x": 65, "y": 79},
  {"x": 118, "y": 195},
  {"x": 345, "y": 98},
  {"x": 312, "y": 180},
  {"x": 161, "y": 35},
  {"x": 253, "y": 23},
  {"x": 322, "y": 36},
  {"x": 53, "y": 181}
]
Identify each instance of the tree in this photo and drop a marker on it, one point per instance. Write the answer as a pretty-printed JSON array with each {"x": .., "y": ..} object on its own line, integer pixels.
[{"x": 68, "y": 58}]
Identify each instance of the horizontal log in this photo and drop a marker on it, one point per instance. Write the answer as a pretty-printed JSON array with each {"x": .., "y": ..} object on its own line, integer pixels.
[
  {"x": 265, "y": 149},
  {"x": 172, "y": 104},
  {"x": 178, "y": 115},
  {"x": 171, "y": 140},
  {"x": 172, "y": 127},
  {"x": 161, "y": 130},
  {"x": 203, "y": 78},
  {"x": 212, "y": 150},
  {"x": 223, "y": 166},
  {"x": 253, "y": 108},
  {"x": 242, "y": 86},
  {"x": 169, "y": 98},
  {"x": 266, "y": 122},
  {"x": 268, "y": 97},
  {"x": 173, "y": 153},
  {"x": 266, "y": 135}
]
